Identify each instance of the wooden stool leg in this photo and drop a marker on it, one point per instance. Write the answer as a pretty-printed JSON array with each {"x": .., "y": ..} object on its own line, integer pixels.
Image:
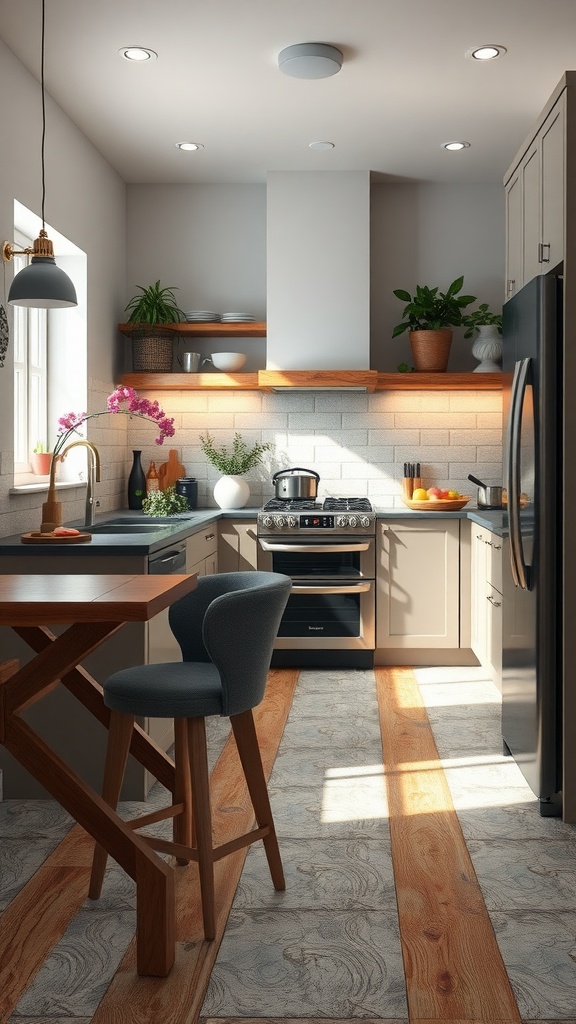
[
  {"x": 200, "y": 780},
  {"x": 119, "y": 737},
  {"x": 182, "y": 823},
  {"x": 249, "y": 752}
]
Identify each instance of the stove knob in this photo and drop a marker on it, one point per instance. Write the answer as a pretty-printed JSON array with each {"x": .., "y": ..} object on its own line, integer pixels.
[
  {"x": 352, "y": 521},
  {"x": 268, "y": 522},
  {"x": 292, "y": 521},
  {"x": 365, "y": 522},
  {"x": 280, "y": 521},
  {"x": 341, "y": 521}
]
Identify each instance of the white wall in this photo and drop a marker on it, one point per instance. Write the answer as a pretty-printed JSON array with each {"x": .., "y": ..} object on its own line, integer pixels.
[{"x": 85, "y": 200}]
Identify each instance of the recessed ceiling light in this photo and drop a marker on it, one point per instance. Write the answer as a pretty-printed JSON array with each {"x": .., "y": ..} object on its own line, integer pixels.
[
  {"x": 137, "y": 53},
  {"x": 489, "y": 51},
  {"x": 320, "y": 145},
  {"x": 453, "y": 146},
  {"x": 189, "y": 146}
]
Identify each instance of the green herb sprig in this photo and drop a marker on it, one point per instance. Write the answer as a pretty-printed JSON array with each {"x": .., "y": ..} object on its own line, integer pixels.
[
  {"x": 239, "y": 459},
  {"x": 164, "y": 503}
]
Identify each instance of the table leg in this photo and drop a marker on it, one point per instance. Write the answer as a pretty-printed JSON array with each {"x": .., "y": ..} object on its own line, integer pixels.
[{"x": 154, "y": 878}]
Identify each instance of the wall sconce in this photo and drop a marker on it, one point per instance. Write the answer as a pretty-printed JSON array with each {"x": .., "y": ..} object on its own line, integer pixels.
[{"x": 41, "y": 284}]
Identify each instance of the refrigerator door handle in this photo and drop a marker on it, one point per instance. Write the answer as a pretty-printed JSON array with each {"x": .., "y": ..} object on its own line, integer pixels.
[
  {"x": 510, "y": 447},
  {"x": 520, "y": 571}
]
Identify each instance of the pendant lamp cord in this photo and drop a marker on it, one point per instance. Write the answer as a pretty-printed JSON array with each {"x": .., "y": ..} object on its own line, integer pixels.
[{"x": 43, "y": 109}]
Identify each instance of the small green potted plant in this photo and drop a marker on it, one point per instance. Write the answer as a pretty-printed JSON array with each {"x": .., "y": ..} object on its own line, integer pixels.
[
  {"x": 481, "y": 317},
  {"x": 41, "y": 459},
  {"x": 164, "y": 503},
  {"x": 150, "y": 312},
  {"x": 486, "y": 329},
  {"x": 430, "y": 316},
  {"x": 231, "y": 491}
]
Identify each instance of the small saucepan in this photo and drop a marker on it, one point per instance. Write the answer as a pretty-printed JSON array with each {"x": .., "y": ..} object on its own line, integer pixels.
[
  {"x": 489, "y": 496},
  {"x": 295, "y": 483}
]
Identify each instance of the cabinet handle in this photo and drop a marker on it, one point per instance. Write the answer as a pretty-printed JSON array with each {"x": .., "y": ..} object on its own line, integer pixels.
[
  {"x": 479, "y": 537},
  {"x": 496, "y": 604},
  {"x": 541, "y": 257},
  {"x": 209, "y": 536},
  {"x": 510, "y": 286}
]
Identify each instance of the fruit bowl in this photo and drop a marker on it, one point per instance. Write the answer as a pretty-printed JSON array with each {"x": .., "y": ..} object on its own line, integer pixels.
[{"x": 438, "y": 504}]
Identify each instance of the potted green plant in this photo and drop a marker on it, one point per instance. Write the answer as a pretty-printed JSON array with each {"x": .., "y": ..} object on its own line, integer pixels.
[
  {"x": 164, "y": 503},
  {"x": 486, "y": 329},
  {"x": 41, "y": 459},
  {"x": 231, "y": 491},
  {"x": 149, "y": 313},
  {"x": 430, "y": 316}
]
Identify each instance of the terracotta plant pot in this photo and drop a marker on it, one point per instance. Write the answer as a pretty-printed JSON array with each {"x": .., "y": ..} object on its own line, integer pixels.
[
  {"x": 41, "y": 462},
  {"x": 431, "y": 350}
]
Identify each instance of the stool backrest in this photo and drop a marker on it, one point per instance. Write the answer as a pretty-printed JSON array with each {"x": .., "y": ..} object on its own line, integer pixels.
[{"x": 232, "y": 619}]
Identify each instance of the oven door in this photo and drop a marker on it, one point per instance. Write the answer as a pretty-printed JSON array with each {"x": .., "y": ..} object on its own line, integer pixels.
[{"x": 332, "y": 601}]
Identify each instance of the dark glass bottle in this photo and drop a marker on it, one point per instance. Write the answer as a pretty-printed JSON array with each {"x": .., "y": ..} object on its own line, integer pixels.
[{"x": 136, "y": 482}]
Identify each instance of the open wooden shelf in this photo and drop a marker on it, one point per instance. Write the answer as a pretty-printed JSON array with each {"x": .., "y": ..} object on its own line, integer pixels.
[
  {"x": 265, "y": 380},
  {"x": 207, "y": 330}
]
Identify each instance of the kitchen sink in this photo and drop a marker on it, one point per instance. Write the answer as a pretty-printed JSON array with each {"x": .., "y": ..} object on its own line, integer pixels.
[{"x": 124, "y": 527}]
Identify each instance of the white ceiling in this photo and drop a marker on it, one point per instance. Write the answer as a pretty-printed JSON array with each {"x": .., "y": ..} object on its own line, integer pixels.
[{"x": 405, "y": 86}]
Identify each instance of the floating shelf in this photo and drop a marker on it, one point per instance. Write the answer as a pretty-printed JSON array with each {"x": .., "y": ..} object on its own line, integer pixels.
[
  {"x": 265, "y": 380},
  {"x": 207, "y": 330}
]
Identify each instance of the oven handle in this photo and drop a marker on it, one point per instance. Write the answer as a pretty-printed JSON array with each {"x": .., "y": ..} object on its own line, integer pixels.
[
  {"x": 313, "y": 549},
  {"x": 333, "y": 588}
]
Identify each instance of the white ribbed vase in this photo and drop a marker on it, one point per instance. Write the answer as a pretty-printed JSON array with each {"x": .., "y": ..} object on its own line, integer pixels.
[
  {"x": 488, "y": 349},
  {"x": 231, "y": 492}
]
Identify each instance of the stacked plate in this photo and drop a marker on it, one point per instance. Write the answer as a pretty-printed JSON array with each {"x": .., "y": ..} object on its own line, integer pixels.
[
  {"x": 238, "y": 318},
  {"x": 195, "y": 316}
]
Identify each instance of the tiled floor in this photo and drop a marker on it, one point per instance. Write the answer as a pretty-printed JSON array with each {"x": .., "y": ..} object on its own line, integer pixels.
[{"x": 329, "y": 946}]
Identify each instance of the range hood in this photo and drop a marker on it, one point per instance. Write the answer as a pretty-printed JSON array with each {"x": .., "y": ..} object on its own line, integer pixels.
[{"x": 318, "y": 281}]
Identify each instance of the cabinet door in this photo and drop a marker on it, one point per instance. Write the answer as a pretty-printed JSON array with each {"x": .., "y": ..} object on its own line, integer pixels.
[
  {"x": 531, "y": 265},
  {"x": 418, "y": 590},
  {"x": 553, "y": 188},
  {"x": 494, "y": 635},
  {"x": 237, "y": 545},
  {"x": 200, "y": 546},
  {"x": 479, "y": 611},
  {"x": 514, "y": 240}
]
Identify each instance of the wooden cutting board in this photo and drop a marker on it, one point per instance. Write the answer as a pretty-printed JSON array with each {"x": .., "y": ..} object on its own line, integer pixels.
[{"x": 171, "y": 471}]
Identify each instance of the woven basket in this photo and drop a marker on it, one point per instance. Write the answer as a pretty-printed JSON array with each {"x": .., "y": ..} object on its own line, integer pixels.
[
  {"x": 152, "y": 353},
  {"x": 431, "y": 350}
]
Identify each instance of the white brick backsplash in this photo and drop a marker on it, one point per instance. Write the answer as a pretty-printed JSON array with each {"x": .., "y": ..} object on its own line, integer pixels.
[
  {"x": 371, "y": 420},
  {"x": 295, "y": 401},
  {"x": 248, "y": 420},
  {"x": 477, "y": 437},
  {"x": 409, "y": 401},
  {"x": 434, "y": 437},
  {"x": 315, "y": 421},
  {"x": 235, "y": 401},
  {"x": 338, "y": 402},
  {"x": 489, "y": 454},
  {"x": 394, "y": 437},
  {"x": 487, "y": 401},
  {"x": 207, "y": 421},
  {"x": 489, "y": 420}
]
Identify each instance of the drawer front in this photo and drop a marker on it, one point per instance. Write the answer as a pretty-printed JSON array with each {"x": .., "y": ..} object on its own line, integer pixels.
[{"x": 200, "y": 546}]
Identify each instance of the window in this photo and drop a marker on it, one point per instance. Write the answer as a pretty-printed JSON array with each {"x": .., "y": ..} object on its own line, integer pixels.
[{"x": 30, "y": 374}]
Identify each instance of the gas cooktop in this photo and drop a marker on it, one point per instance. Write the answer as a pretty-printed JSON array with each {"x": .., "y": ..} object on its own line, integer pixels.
[{"x": 308, "y": 505}]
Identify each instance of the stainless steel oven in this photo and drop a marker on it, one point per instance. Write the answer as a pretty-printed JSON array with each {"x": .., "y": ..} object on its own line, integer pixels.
[{"x": 328, "y": 550}]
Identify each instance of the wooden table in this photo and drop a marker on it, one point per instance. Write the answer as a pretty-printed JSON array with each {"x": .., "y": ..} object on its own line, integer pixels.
[{"x": 96, "y": 607}]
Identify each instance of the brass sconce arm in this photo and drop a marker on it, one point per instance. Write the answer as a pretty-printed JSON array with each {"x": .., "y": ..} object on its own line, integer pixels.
[{"x": 42, "y": 247}]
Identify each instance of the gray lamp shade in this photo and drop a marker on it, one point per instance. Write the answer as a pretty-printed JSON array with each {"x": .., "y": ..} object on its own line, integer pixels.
[{"x": 42, "y": 285}]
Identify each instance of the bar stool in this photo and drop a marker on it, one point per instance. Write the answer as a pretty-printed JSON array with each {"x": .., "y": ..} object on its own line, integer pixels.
[{"x": 226, "y": 629}]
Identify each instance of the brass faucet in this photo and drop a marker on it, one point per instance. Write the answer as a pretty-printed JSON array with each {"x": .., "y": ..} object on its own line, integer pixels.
[{"x": 93, "y": 476}]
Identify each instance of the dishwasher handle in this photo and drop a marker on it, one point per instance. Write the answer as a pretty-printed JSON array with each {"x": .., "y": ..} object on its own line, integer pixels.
[{"x": 169, "y": 560}]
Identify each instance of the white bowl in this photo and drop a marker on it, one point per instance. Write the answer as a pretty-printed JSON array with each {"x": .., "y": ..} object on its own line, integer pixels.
[{"x": 229, "y": 361}]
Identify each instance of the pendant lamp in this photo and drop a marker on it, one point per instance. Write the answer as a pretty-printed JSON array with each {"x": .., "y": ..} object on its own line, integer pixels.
[{"x": 41, "y": 284}]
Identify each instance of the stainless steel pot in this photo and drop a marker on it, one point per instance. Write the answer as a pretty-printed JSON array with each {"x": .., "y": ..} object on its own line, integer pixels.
[
  {"x": 488, "y": 496},
  {"x": 295, "y": 483}
]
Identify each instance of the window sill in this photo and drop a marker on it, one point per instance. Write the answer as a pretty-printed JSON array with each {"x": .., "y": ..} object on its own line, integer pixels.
[{"x": 27, "y": 483}]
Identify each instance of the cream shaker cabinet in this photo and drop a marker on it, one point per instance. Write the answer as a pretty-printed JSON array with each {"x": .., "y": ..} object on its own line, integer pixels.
[
  {"x": 237, "y": 545},
  {"x": 418, "y": 583},
  {"x": 202, "y": 551},
  {"x": 486, "y": 601},
  {"x": 536, "y": 199}
]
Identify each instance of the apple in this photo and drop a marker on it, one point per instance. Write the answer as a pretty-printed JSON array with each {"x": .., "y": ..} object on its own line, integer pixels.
[
  {"x": 454, "y": 494},
  {"x": 444, "y": 494},
  {"x": 434, "y": 493},
  {"x": 420, "y": 494}
]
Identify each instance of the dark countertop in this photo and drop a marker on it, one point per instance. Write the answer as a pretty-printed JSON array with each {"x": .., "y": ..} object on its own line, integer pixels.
[{"x": 178, "y": 528}]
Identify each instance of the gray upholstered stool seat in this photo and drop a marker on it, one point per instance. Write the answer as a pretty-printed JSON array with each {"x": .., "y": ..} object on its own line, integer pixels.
[
  {"x": 226, "y": 630},
  {"x": 166, "y": 690}
]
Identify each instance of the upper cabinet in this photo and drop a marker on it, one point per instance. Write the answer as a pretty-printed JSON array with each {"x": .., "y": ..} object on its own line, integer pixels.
[{"x": 536, "y": 194}]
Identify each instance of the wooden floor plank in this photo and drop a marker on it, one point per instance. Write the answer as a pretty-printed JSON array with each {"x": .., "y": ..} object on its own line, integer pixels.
[
  {"x": 453, "y": 966},
  {"x": 178, "y": 998}
]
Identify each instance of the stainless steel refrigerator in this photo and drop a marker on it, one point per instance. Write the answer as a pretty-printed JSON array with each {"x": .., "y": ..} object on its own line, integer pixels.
[{"x": 531, "y": 619}]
